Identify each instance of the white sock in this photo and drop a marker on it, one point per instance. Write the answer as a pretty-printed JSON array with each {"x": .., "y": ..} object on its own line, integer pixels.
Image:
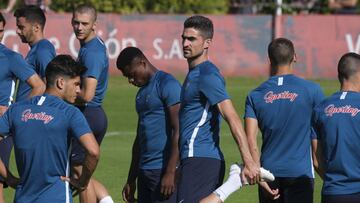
[
  {"x": 232, "y": 184},
  {"x": 106, "y": 199}
]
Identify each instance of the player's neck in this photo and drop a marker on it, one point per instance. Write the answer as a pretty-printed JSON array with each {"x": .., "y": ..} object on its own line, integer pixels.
[
  {"x": 91, "y": 36},
  {"x": 36, "y": 39},
  {"x": 282, "y": 70},
  {"x": 196, "y": 61},
  {"x": 347, "y": 86}
]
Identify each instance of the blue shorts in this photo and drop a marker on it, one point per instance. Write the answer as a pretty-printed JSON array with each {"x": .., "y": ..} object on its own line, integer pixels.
[
  {"x": 349, "y": 198},
  {"x": 5, "y": 151},
  {"x": 292, "y": 190},
  {"x": 97, "y": 121},
  {"x": 199, "y": 177},
  {"x": 149, "y": 182}
]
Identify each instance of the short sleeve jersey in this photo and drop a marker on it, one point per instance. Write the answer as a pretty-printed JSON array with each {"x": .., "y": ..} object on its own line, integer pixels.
[
  {"x": 283, "y": 107},
  {"x": 93, "y": 56},
  {"x": 42, "y": 128},
  {"x": 40, "y": 54},
  {"x": 199, "y": 117},
  {"x": 336, "y": 122},
  {"x": 13, "y": 67},
  {"x": 154, "y": 127}
]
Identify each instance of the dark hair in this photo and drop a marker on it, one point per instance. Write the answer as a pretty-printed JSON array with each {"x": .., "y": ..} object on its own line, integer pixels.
[
  {"x": 33, "y": 14},
  {"x": 2, "y": 19},
  {"x": 127, "y": 56},
  {"x": 201, "y": 23},
  {"x": 281, "y": 52},
  {"x": 348, "y": 65},
  {"x": 63, "y": 65},
  {"x": 86, "y": 8}
]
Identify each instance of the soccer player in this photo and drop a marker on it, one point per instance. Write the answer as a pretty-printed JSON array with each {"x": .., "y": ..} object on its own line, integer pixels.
[
  {"x": 203, "y": 100},
  {"x": 42, "y": 128},
  {"x": 336, "y": 121},
  {"x": 155, "y": 149},
  {"x": 282, "y": 108},
  {"x": 92, "y": 55},
  {"x": 30, "y": 22},
  {"x": 13, "y": 67}
]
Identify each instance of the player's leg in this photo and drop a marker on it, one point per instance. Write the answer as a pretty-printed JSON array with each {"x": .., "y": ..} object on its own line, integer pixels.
[
  {"x": 199, "y": 178},
  {"x": 233, "y": 183},
  {"x": 350, "y": 198},
  {"x": 5, "y": 151},
  {"x": 88, "y": 195},
  {"x": 298, "y": 190},
  {"x": 143, "y": 190},
  {"x": 101, "y": 193}
]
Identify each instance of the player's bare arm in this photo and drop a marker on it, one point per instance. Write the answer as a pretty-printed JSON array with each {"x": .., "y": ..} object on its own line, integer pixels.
[
  {"x": 87, "y": 90},
  {"x": 10, "y": 179},
  {"x": 228, "y": 112},
  {"x": 318, "y": 160},
  {"x": 36, "y": 84},
  {"x": 168, "y": 180},
  {"x": 129, "y": 189},
  {"x": 91, "y": 159},
  {"x": 251, "y": 129}
]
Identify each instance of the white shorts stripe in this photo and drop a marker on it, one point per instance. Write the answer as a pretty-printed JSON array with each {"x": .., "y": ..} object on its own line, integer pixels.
[
  {"x": 196, "y": 130},
  {"x": 11, "y": 98}
]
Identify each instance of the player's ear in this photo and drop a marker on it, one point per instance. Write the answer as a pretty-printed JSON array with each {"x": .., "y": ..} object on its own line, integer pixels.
[
  {"x": 295, "y": 58},
  {"x": 60, "y": 83},
  {"x": 207, "y": 43},
  {"x": 94, "y": 26}
]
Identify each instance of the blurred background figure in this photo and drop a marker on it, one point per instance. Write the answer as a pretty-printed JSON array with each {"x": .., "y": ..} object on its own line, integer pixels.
[
  {"x": 43, "y": 4},
  {"x": 343, "y": 6}
]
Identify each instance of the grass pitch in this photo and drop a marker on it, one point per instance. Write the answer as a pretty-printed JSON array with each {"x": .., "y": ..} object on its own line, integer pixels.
[{"x": 116, "y": 147}]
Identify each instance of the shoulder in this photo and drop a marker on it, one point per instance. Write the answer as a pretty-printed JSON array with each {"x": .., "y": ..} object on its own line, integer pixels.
[
  {"x": 208, "y": 68},
  {"x": 306, "y": 83},
  {"x": 167, "y": 78},
  {"x": 46, "y": 44}
]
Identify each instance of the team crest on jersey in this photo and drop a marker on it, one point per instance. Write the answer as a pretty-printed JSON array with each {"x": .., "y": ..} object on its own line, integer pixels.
[
  {"x": 271, "y": 96},
  {"x": 332, "y": 109},
  {"x": 42, "y": 116}
]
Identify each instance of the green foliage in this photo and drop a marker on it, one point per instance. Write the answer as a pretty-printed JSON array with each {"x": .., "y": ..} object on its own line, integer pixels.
[{"x": 147, "y": 6}]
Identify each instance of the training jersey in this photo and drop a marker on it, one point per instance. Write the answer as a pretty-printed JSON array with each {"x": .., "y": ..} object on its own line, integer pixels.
[
  {"x": 93, "y": 56},
  {"x": 42, "y": 128},
  {"x": 283, "y": 107},
  {"x": 336, "y": 121},
  {"x": 13, "y": 66},
  {"x": 154, "y": 127},
  {"x": 199, "y": 117},
  {"x": 40, "y": 54}
]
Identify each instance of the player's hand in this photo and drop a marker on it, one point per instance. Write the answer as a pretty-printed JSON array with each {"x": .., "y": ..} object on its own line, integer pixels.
[
  {"x": 251, "y": 173},
  {"x": 168, "y": 184},
  {"x": 75, "y": 183},
  {"x": 12, "y": 181},
  {"x": 128, "y": 192},
  {"x": 272, "y": 194}
]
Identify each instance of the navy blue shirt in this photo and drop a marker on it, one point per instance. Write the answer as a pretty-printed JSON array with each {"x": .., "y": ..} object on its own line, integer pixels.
[
  {"x": 93, "y": 56},
  {"x": 40, "y": 54},
  {"x": 154, "y": 127},
  {"x": 283, "y": 107},
  {"x": 337, "y": 123},
  {"x": 199, "y": 117},
  {"x": 13, "y": 67},
  {"x": 42, "y": 128}
]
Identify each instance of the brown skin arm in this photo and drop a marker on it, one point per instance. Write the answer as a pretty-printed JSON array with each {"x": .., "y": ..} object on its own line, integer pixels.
[
  {"x": 168, "y": 179},
  {"x": 129, "y": 188},
  {"x": 318, "y": 159},
  {"x": 10, "y": 179},
  {"x": 36, "y": 84},
  {"x": 228, "y": 112}
]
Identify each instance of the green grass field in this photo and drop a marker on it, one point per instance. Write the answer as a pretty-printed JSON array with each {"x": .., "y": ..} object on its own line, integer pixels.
[{"x": 116, "y": 148}]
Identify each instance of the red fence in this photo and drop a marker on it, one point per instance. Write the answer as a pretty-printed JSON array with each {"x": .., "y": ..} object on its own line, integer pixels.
[{"x": 239, "y": 45}]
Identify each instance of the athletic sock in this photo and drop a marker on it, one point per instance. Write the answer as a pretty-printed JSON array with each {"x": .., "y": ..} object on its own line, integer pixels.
[
  {"x": 106, "y": 199},
  {"x": 232, "y": 184}
]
